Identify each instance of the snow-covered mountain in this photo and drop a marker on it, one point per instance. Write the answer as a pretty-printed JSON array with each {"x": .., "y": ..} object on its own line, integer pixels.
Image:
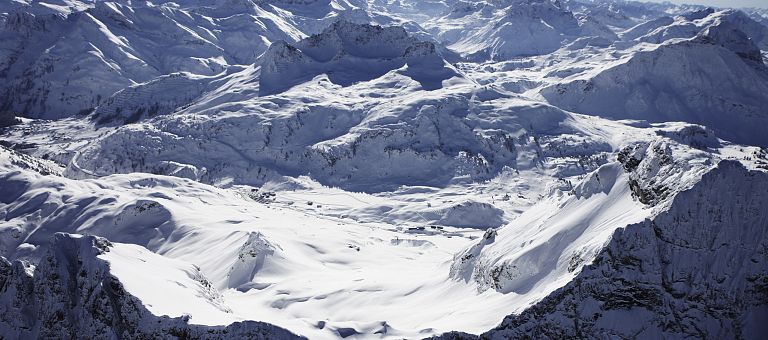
[
  {"x": 350, "y": 53},
  {"x": 759, "y": 15},
  {"x": 695, "y": 270},
  {"x": 329, "y": 169},
  {"x": 64, "y": 62},
  {"x": 505, "y": 29},
  {"x": 705, "y": 69}
]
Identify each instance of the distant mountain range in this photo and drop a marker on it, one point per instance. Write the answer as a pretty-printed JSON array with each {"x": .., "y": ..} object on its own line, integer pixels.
[{"x": 458, "y": 169}]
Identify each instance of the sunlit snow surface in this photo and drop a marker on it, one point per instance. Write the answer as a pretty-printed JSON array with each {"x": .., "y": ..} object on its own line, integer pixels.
[
  {"x": 348, "y": 260},
  {"x": 301, "y": 166}
]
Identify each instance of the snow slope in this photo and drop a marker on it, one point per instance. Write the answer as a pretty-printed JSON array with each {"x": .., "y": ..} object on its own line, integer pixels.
[
  {"x": 716, "y": 78},
  {"x": 546, "y": 245},
  {"x": 66, "y": 62},
  {"x": 88, "y": 285},
  {"x": 264, "y": 272},
  {"x": 506, "y": 29},
  {"x": 696, "y": 270},
  {"x": 314, "y": 168},
  {"x": 349, "y": 53}
]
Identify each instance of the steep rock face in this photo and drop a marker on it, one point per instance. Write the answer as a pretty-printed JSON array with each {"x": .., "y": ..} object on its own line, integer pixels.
[
  {"x": 17, "y": 310},
  {"x": 655, "y": 173},
  {"x": 552, "y": 240},
  {"x": 71, "y": 293},
  {"x": 695, "y": 270}
]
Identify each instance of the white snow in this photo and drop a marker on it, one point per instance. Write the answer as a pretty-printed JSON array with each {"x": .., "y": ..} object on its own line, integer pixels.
[{"x": 363, "y": 168}]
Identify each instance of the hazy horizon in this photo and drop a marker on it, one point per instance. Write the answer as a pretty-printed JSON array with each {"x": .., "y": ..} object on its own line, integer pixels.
[{"x": 721, "y": 3}]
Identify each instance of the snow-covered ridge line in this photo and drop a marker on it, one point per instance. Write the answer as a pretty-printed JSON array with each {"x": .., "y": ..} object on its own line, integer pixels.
[
  {"x": 697, "y": 269},
  {"x": 502, "y": 30},
  {"x": 69, "y": 61},
  {"x": 348, "y": 53},
  {"x": 706, "y": 70},
  {"x": 324, "y": 165},
  {"x": 548, "y": 244}
]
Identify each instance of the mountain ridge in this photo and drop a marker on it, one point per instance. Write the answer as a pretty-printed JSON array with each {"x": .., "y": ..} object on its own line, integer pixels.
[{"x": 313, "y": 168}]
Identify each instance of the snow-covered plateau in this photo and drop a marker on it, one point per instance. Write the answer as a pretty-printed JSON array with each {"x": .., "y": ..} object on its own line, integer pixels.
[{"x": 382, "y": 169}]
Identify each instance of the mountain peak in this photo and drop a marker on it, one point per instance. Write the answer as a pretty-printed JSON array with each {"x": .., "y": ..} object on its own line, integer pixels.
[
  {"x": 348, "y": 53},
  {"x": 291, "y": 169}
]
